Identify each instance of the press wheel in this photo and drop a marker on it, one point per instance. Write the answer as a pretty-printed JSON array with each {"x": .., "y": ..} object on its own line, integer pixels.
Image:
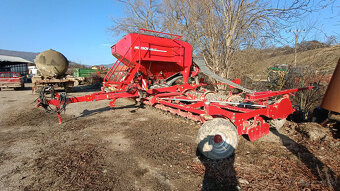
[{"x": 217, "y": 138}]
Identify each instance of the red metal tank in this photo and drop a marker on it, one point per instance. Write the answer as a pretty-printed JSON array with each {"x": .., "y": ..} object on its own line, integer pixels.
[
  {"x": 331, "y": 100},
  {"x": 158, "y": 57}
]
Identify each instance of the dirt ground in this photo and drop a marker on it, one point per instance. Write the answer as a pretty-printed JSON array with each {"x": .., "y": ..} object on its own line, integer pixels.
[{"x": 132, "y": 148}]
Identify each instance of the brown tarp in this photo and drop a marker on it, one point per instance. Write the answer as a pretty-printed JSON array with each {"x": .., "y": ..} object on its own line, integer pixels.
[{"x": 331, "y": 100}]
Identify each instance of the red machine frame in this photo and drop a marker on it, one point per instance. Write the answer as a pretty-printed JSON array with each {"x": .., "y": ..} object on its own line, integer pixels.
[{"x": 144, "y": 63}]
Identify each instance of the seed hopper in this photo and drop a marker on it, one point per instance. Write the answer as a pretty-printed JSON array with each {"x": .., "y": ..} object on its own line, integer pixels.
[{"x": 161, "y": 72}]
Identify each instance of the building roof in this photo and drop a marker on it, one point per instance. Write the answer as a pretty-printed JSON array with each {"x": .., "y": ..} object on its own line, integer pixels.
[{"x": 4, "y": 58}]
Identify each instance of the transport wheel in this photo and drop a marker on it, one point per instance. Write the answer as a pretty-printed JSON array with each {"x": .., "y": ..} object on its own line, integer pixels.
[
  {"x": 217, "y": 138},
  {"x": 235, "y": 99}
]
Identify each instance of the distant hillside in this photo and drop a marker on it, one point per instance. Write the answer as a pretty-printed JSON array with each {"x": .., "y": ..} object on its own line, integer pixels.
[
  {"x": 320, "y": 58},
  {"x": 30, "y": 56},
  {"x": 108, "y": 65},
  {"x": 255, "y": 62}
]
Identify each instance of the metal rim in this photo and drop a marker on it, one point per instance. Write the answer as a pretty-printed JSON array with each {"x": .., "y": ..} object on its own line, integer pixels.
[
  {"x": 222, "y": 146},
  {"x": 217, "y": 138}
]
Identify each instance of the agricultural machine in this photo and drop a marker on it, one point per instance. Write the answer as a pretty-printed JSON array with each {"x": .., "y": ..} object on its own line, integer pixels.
[{"x": 161, "y": 72}]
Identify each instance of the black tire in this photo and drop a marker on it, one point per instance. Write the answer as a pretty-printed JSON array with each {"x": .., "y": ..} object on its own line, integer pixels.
[{"x": 206, "y": 134}]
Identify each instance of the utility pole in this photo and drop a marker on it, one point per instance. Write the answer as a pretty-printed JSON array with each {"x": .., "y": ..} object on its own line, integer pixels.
[{"x": 296, "y": 33}]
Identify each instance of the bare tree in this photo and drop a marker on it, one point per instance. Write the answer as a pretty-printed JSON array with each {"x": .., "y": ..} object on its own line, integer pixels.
[
  {"x": 330, "y": 40},
  {"x": 216, "y": 28},
  {"x": 184, "y": 17},
  {"x": 139, "y": 14}
]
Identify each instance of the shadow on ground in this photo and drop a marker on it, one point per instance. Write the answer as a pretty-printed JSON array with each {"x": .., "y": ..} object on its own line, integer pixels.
[
  {"x": 87, "y": 112},
  {"x": 100, "y": 110},
  {"x": 323, "y": 173},
  {"x": 219, "y": 174}
]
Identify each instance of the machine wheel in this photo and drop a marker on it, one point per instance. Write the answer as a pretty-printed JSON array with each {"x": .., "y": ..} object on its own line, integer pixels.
[
  {"x": 217, "y": 138},
  {"x": 277, "y": 123},
  {"x": 235, "y": 99}
]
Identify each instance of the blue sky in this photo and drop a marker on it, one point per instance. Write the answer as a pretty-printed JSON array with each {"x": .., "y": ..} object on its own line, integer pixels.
[
  {"x": 79, "y": 28},
  {"x": 318, "y": 25},
  {"x": 76, "y": 28}
]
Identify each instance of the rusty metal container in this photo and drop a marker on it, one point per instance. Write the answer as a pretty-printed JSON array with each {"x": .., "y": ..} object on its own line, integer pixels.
[
  {"x": 331, "y": 100},
  {"x": 51, "y": 63}
]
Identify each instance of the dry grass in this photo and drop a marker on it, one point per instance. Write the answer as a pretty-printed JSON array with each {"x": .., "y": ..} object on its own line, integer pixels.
[{"x": 253, "y": 63}]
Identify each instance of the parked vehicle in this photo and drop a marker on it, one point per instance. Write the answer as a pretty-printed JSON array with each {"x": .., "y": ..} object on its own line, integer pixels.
[
  {"x": 11, "y": 80},
  {"x": 83, "y": 72}
]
